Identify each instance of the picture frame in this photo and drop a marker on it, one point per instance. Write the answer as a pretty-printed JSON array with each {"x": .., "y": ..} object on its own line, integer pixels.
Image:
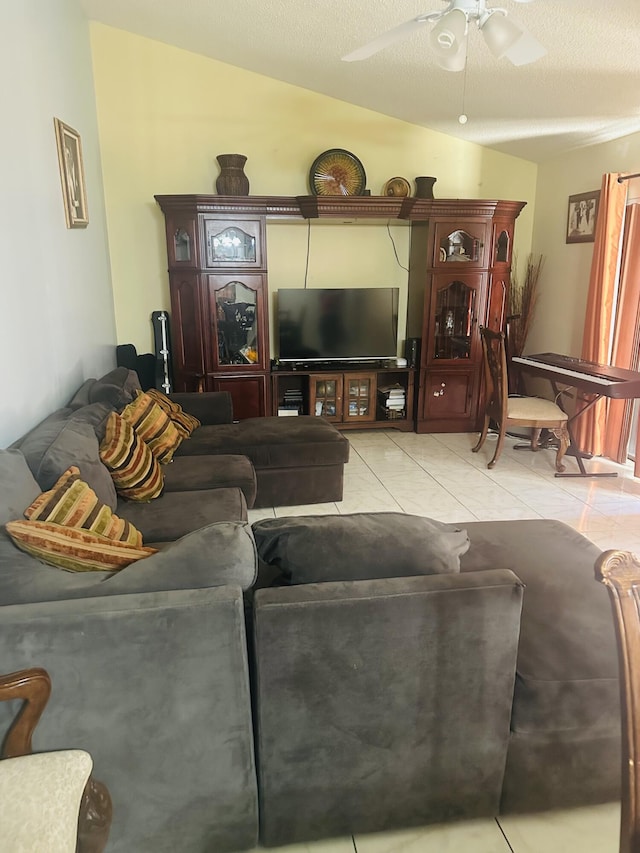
[
  {"x": 581, "y": 217},
  {"x": 71, "y": 175}
]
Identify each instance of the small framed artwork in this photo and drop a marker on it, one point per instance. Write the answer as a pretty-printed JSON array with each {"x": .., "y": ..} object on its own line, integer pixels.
[
  {"x": 581, "y": 217},
  {"x": 71, "y": 175}
]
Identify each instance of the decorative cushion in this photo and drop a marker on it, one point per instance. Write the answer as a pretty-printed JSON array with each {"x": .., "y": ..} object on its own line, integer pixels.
[
  {"x": 73, "y": 503},
  {"x": 360, "y": 546},
  {"x": 72, "y": 548},
  {"x": 135, "y": 470},
  {"x": 41, "y": 796},
  {"x": 154, "y": 426},
  {"x": 183, "y": 422}
]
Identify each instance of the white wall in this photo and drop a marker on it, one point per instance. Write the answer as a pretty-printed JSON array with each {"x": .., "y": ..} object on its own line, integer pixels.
[
  {"x": 560, "y": 314},
  {"x": 57, "y": 321}
]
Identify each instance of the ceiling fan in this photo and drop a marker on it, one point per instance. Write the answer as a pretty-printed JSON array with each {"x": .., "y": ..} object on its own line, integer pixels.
[{"x": 448, "y": 38}]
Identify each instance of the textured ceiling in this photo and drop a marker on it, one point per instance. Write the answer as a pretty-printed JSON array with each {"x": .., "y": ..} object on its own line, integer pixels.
[{"x": 584, "y": 91}]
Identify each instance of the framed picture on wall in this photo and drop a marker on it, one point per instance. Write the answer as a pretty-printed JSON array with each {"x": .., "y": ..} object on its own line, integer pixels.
[
  {"x": 581, "y": 217},
  {"x": 71, "y": 175}
]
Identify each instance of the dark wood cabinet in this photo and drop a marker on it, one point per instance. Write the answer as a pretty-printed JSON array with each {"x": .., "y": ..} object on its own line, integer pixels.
[
  {"x": 459, "y": 270},
  {"x": 219, "y": 317}
]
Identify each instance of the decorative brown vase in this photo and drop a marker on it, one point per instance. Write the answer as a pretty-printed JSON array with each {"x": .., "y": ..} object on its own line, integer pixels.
[
  {"x": 232, "y": 179},
  {"x": 424, "y": 187}
]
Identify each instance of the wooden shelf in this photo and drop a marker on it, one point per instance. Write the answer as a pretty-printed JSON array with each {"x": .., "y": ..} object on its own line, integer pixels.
[{"x": 337, "y": 207}]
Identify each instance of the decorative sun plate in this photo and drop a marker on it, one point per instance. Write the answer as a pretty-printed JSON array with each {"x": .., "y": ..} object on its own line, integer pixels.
[
  {"x": 398, "y": 187},
  {"x": 337, "y": 172}
]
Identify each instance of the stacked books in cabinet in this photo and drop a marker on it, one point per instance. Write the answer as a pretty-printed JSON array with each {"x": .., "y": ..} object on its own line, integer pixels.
[
  {"x": 291, "y": 404},
  {"x": 392, "y": 401}
]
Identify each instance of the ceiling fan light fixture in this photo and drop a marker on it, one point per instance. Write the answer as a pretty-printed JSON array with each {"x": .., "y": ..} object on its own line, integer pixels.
[
  {"x": 454, "y": 61},
  {"x": 449, "y": 34},
  {"x": 500, "y": 33},
  {"x": 527, "y": 49}
]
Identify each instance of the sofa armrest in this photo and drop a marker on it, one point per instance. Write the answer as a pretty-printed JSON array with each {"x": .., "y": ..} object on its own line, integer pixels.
[
  {"x": 155, "y": 687},
  {"x": 210, "y": 407}
]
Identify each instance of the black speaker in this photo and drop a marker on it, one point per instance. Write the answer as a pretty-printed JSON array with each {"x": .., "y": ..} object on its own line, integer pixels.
[{"x": 412, "y": 352}]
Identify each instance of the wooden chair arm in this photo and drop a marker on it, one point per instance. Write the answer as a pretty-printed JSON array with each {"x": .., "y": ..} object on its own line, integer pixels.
[{"x": 33, "y": 686}]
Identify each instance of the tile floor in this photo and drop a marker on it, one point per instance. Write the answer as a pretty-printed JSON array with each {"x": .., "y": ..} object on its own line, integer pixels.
[{"x": 438, "y": 476}]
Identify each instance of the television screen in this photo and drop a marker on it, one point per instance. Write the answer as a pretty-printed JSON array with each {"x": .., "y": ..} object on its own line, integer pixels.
[{"x": 334, "y": 324}]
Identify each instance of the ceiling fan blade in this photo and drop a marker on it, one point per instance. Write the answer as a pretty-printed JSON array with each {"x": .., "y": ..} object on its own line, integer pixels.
[
  {"x": 386, "y": 39},
  {"x": 526, "y": 50}
]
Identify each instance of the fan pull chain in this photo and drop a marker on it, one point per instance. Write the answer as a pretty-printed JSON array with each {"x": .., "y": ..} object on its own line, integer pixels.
[{"x": 462, "y": 118}]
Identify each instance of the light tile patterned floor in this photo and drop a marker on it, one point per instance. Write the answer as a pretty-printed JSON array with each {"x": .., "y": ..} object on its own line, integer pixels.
[{"x": 438, "y": 476}]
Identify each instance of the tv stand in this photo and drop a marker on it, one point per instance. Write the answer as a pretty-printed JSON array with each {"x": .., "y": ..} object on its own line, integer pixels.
[{"x": 353, "y": 397}]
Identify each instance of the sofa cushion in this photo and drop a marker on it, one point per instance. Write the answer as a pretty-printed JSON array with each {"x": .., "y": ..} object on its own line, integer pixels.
[
  {"x": 118, "y": 388},
  {"x": 272, "y": 442},
  {"x": 73, "y": 548},
  {"x": 360, "y": 546},
  {"x": 68, "y": 438},
  {"x": 19, "y": 487},
  {"x": 220, "y": 553},
  {"x": 183, "y": 422},
  {"x": 136, "y": 472},
  {"x": 192, "y": 473},
  {"x": 73, "y": 503},
  {"x": 82, "y": 395},
  {"x": 174, "y": 514},
  {"x": 153, "y": 426},
  {"x": 567, "y": 673}
]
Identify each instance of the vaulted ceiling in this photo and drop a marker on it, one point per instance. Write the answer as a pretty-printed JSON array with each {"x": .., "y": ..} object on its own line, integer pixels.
[{"x": 584, "y": 91}]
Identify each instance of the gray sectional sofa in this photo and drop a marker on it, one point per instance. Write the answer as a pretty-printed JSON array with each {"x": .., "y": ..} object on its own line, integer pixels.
[{"x": 223, "y": 702}]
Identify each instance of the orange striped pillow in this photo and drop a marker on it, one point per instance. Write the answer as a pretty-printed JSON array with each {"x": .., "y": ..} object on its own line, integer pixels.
[
  {"x": 72, "y": 548},
  {"x": 134, "y": 469},
  {"x": 73, "y": 503},
  {"x": 183, "y": 421},
  {"x": 153, "y": 426}
]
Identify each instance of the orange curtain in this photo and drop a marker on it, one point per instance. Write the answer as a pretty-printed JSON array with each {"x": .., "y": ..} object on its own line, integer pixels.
[
  {"x": 590, "y": 427},
  {"x": 626, "y": 337}
]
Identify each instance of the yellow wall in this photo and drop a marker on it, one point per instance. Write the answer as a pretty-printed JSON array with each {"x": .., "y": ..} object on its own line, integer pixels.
[
  {"x": 560, "y": 313},
  {"x": 165, "y": 113}
]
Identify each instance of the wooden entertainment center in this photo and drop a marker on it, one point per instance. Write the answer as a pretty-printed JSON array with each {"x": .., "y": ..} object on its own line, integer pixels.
[{"x": 459, "y": 269}]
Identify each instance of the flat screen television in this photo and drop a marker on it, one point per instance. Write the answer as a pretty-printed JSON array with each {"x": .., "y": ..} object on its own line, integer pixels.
[{"x": 337, "y": 324}]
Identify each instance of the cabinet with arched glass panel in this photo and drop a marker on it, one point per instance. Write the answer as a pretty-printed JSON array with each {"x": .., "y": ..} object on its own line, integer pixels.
[
  {"x": 218, "y": 289},
  {"x": 460, "y": 264}
]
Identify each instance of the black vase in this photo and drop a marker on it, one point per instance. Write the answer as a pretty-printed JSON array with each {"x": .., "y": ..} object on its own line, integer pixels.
[
  {"x": 424, "y": 187},
  {"x": 232, "y": 179}
]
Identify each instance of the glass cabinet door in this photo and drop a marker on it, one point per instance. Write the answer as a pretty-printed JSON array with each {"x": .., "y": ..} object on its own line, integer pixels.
[
  {"x": 454, "y": 318},
  {"x": 462, "y": 244},
  {"x": 325, "y": 396},
  {"x": 360, "y": 397},
  {"x": 236, "y": 308},
  {"x": 236, "y": 243}
]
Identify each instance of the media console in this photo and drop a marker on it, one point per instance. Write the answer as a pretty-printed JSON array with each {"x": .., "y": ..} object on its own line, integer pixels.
[{"x": 352, "y": 397}]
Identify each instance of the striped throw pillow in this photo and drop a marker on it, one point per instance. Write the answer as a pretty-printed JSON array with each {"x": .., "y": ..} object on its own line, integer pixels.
[
  {"x": 153, "y": 426},
  {"x": 183, "y": 421},
  {"x": 72, "y": 548},
  {"x": 74, "y": 503},
  {"x": 134, "y": 469}
]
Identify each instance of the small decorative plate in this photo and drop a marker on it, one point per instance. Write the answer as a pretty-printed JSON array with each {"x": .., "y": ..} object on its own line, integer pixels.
[
  {"x": 398, "y": 187},
  {"x": 337, "y": 172}
]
